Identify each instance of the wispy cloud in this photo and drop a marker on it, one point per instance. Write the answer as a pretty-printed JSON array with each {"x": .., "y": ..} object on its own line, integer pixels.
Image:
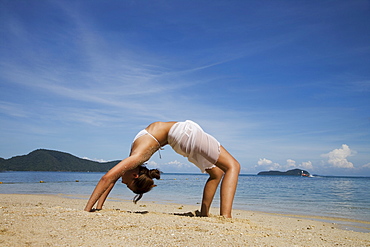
[{"x": 13, "y": 109}]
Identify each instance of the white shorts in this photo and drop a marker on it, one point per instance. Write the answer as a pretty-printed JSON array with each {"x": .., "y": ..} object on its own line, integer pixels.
[{"x": 188, "y": 139}]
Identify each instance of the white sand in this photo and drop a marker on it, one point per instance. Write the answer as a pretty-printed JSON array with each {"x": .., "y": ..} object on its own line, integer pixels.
[{"x": 44, "y": 220}]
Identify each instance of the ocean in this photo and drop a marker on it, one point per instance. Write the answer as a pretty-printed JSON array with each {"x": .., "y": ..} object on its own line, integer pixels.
[{"x": 335, "y": 198}]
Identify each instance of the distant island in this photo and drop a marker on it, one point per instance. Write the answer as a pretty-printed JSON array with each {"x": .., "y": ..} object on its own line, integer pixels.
[
  {"x": 50, "y": 160},
  {"x": 294, "y": 172}
]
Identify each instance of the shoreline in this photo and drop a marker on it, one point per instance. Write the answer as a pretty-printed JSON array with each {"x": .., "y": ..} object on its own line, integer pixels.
[
  {"x": 49, "y": 220},
  {"x": 326, "y": 197}
]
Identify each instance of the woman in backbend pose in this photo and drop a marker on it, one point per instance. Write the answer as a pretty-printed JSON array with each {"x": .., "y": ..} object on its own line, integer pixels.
[{"x": 186, "y": 138}]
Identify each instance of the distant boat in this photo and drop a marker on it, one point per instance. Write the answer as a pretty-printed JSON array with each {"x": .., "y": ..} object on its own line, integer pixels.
[{"x": 306, "y": 174}]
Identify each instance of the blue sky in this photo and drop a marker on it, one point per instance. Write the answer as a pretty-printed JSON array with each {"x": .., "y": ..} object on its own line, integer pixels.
[{"x": 281, "y": 84}]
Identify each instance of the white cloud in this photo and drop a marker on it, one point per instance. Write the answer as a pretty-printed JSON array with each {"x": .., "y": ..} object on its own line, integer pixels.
[
  {"x": 95, "y": 159},
  {"x": 290, "y": 163},
  {"x": 178, "y": 165},
  {"x": 366, "y": 165},
  {"x": 173, "y": 166},
  {"x": 338, "y": 157},
  {"x": 306, "y": 165},
  {"x": 264, "y": 161},
  {"x": 151, "y": 164},
  {"x": 268, "y": 164}
]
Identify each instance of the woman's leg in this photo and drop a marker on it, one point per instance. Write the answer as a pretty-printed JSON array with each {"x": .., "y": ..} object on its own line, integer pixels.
[
  {"x": 215, "y": 176},
  {"x": 231, "y": 167}
]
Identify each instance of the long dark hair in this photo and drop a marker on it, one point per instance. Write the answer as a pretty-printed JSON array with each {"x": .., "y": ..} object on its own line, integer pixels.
[{"x": 144, "y": 182}]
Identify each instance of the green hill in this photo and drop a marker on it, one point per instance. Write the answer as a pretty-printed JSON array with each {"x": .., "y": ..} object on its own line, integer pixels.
[{"x": 49, "y": 160}]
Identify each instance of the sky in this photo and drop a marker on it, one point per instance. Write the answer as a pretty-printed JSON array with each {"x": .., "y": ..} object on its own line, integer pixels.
[{"x": 280, "y": 84}]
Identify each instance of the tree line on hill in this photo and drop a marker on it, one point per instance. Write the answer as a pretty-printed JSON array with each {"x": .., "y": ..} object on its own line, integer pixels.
[{"x": 50, "y": 160}]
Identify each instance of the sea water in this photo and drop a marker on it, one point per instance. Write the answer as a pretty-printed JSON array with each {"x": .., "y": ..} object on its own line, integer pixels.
[{"x": 326, "y": 196}]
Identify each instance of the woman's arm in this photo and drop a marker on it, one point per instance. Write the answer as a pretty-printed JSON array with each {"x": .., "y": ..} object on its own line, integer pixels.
[
  {"x": 99, "y": 190},
  {"x": 108, "y": 181},
  {"x": 103, "y": 197}
]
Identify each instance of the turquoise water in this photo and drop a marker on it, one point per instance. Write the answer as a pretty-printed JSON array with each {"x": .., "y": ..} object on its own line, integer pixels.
[{"x": 341, "y": 197}]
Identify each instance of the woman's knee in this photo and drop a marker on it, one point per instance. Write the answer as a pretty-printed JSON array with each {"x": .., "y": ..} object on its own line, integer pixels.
[
  {"x": 227, "y": 162},
  {"x": 236, "y": 165}
]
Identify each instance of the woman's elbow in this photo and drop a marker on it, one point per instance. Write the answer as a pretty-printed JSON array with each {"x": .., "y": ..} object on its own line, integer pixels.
[{"x": 108, "y": 178}]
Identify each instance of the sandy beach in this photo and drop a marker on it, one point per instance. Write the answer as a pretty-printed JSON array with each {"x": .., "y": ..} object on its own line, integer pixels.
[{"x": 58, "y": 220}]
